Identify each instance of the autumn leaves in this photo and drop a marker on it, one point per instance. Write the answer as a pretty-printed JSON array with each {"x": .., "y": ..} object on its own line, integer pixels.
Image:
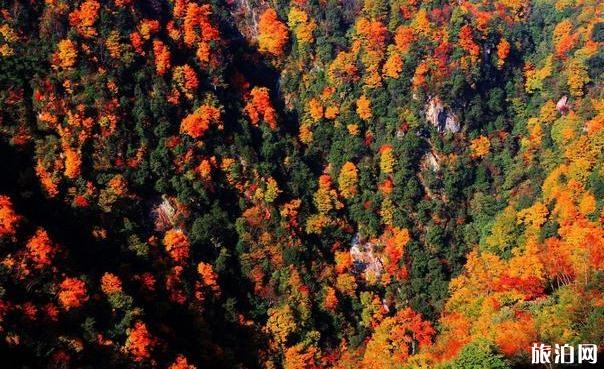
[{"x": 273, "y": 35}]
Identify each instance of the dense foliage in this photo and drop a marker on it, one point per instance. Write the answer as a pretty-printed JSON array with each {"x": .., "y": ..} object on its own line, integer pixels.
[{"x": 370, "y": 184}]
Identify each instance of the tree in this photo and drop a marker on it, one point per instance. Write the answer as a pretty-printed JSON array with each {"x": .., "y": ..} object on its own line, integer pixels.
[
  {"x": 515, "y": 336},
  {"x": 139, "y": 342},
  {"x": 393, "y": 66},
  {"x": 72, "y": 293},
  {"x": 395, "y": 339},
  {"x": 186, "y": 79},
  {"x": 315, "y": 109},
  {"x": 162, "y": 57},
  {"x": 346, "y": 284},
  {"x": 330, "y": 301},
  {"x": 364, "y": 108},
  {"x": 332, "y": 112},
  {"x": 480, "y": 147},
  {"x": 479, "y": 354},
  {"x": 386, "y": 159},
  {"x": 181, "y": 363},
  {"x": 563, "y": 39},
  {"x": 577, "y": 77},
  {"x": 177, "y": 244},
  {"x": 302, "y": 27},
  {"x": 199, "y": 122},
  {"x": 260, "y": 106},
  {"x": 198, "y": 27},
  {"x": 73, "y": 163},
  {"x": 281, "y": 323},
  {"x": 503, "y": 50},
  {"x": 208, "y": 276},
  {"x": 343, "y": 69},
  {"x": 67, "y": 53},
  {"x": 272, "y": 33},
  {"x": 348, "y": 179},
  {"x": 395, "y": 241},
  {"x": 83, "y": 18},
  {"x": 403, "y": 38},
  {"x": 466, "y": 41},
  {"x": 8, "y": 218},
  {"x": 300, "y": 357},
  {"x": 110, "y": 284},
  {"x": 40, "y": 249}
]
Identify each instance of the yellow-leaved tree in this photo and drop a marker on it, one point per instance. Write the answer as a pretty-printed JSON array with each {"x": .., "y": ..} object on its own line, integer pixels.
[{"x": 348, "y": 179}]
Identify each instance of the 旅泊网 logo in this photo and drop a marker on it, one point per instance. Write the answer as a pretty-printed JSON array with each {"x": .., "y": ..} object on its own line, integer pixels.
[{"x": 564, "y": 354}]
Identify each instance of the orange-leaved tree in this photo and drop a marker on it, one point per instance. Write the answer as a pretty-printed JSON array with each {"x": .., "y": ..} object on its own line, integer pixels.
[
  {"x": 272, "y": 33},
  {"x": 197, "y": 123},
  {"x": 8, "y": 218}
]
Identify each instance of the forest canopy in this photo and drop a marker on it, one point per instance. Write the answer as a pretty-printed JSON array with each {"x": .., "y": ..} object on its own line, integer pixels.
[{"x": 371, "y": 184}]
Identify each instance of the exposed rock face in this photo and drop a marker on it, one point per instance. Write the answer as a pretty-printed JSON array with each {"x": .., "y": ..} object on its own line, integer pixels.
[
  {"x": 164, "y": 215},
  {"x": 432, "y": 161},
  {"x": 365, "y": 261},
  {"x": 562, "y": 104},
  {"x": 246, "y": 14},
  {"x": 435, "y": 112},
  {"x": 441, "y": 117},
  {"x": 452, "y": 123}
]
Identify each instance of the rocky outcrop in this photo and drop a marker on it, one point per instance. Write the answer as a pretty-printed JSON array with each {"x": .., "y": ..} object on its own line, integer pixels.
[
  {"x": 365, "y": 261},
  {"x": 452, "y": 123},
  {"x": 246, "y": 14},
  {"x": 164, "y": 215},
  {"x": 562, "y": 105},
  {"x": 432, "y": 161},
  {"x": 441, "y": 117}
]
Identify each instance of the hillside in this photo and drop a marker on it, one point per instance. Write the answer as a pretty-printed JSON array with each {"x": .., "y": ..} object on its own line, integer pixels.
[{"x": 373, "y": 184}]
